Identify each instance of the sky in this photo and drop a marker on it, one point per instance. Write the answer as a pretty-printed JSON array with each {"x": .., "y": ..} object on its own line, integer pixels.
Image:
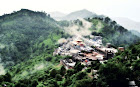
[{"x": 112, "y": 8}]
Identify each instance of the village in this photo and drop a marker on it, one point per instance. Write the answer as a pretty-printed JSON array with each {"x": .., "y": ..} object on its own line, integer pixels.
[{"x": 84, "y": 50}]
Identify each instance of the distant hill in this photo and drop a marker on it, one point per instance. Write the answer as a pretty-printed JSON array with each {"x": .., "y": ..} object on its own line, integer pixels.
[
  {"x": 79, "y": 14},
  {"x": 57, "y": 15},
  {"x": 128, "y": 23},
  {"x": 73, "y": 15},
  {"x": 135, "y": 32}
]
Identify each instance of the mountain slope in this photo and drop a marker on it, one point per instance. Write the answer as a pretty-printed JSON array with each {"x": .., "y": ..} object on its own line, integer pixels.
[
  {"x": 135, "y": 32},
  {"x": 78, "y": 14},
  {"x": 127, "y": 23},
  {"x": 26, "y": 34},
  {"x": 28, "y": 40},
  {"x": 112, "y": 32}
]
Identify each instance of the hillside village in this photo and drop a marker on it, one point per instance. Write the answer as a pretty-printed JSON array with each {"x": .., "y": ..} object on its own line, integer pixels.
[
  {"x": 29, "y": 57},
  {"x": 85, "y": 51}
]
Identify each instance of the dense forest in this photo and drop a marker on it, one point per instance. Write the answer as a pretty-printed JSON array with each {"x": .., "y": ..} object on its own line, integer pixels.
[
  {"x": 112, "y": 32},
  {"x": 117, "y": 72},
  {"x": 27, "y": 43},
  {"x": 25, "y": 34}
]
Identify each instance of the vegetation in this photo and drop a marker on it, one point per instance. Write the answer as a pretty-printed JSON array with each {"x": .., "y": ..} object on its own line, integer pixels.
[
  {"x": 26, "y": 34},
  {"x": 117, "y": 72},
  {"x": 112, "y": 32},
  {"x": 27, "y": 43}
]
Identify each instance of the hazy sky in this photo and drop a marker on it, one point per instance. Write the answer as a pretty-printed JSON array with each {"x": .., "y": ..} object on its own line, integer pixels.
[{"x": 113, "y": 8}]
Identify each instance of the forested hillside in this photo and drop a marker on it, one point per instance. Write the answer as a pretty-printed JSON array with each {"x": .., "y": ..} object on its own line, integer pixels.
[
  {"x": 112, "y": 32},
  {"x": 26, "y": 34},
  {"x": 117, "y": 72},
  {"x": 28, "y": 40}
]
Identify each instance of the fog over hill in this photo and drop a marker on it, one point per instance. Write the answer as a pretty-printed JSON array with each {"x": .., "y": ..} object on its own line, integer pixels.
[
  {"x": 29, "y": 39},
  {"x": 125, "y": 22},
  {"x": 135, "y": 32},
  {"x": 128, "y": 23},
  {"x": 73, "y": 15},
  {"x": 79, "y": 14},
  {"x": 57, "y": 14}
]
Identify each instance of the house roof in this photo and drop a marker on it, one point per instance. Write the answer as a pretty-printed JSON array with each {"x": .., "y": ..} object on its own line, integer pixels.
[
  {"x": 74, "y": 51},
  {"x": 93, "y": 55}
]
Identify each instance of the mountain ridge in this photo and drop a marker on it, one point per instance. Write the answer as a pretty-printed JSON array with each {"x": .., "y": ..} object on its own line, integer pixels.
[
  {"x": 128, "y": 23},
  {"x": 84, "y": 13}
]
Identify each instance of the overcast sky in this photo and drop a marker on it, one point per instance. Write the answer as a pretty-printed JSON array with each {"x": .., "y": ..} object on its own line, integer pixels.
[{"x": 112, "y": 8}]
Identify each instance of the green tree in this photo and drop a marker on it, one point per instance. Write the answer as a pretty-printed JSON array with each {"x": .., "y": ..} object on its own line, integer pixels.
[
  {"x": 83, "y": 83},
  {"x": 53, "y": 72},
  {"x": 58, "y": 77},
  {"x": 78, "y": 67},
  {"x": 95, "y": 64},
  {"x": 7, "y": 77},
  {"x": 136, "y": 72},
  {"x": 114, "y": 74},
  {"x": 52, "y": 83},
  {"x": 62, "y": 71}
]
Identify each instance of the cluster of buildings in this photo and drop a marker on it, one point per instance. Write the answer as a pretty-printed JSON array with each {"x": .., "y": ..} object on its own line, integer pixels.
[{"x": 85, "y": 51}]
